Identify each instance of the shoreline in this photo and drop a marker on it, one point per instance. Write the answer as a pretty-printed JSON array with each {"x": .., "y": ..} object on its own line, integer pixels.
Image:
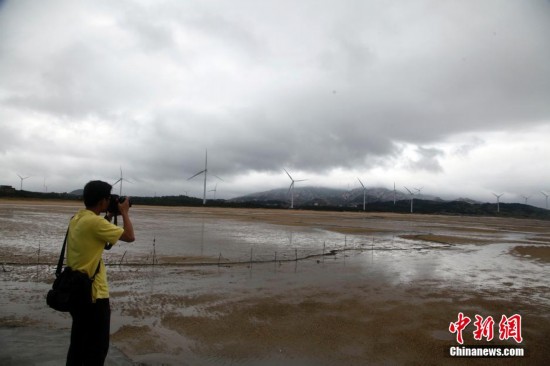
[
  {"x": 335, "y": 211},
  {"x": 40, "y": 201}
]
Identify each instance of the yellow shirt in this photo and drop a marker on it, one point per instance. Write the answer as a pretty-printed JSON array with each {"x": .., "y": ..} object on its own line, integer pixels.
[{"x": 88, "y": 234}]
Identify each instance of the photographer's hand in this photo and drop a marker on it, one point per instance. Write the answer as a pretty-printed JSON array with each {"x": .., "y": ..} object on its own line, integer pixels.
[
  {"x": 124, "y": 207},
  {"x": 128, "y": 234}
]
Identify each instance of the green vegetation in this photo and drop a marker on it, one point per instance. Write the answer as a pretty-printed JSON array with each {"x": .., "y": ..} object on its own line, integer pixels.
[{"x": 438, "y": 207}]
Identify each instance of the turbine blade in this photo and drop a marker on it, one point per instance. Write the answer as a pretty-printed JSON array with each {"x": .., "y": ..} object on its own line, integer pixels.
[
  {"x": 219, "y": 178},
  {"x": 361, "y": 182},
  {"x": 408, "y": 190},
  {"x": 199, "y": 173},
  {"x": 287, "y": 173}
]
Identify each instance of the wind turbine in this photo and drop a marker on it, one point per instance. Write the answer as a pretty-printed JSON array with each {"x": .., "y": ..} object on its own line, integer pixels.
[
  {"x": 214, "y": 190},
  {"x": 22, "y": 179},
  {"x": 120, "y": 180},
  {"x": 545, "y": 195},
  {"x": 205, "y": 171},
  {"x": 291, "y": 188},
  {"x": 498, "y": 200},
  {"x": 412, "y": 197},
  {"x": 364, "y": 192},
  {"x": 526, "y": 198}
]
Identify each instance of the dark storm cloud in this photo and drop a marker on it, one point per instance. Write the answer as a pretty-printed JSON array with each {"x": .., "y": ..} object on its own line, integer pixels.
[{"x": 314, "y": 85}]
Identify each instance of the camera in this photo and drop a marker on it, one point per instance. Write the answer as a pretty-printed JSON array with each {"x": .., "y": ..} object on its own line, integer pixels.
[{"x": 113, "y": 204}]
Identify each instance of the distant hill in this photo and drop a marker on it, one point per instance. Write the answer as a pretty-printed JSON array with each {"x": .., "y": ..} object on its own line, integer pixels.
[
  {"x": 330, "y": 199},
  {"x": 382, "y": 200},
  {"x": 517, "y": 210},
  {"x": 39, "y": 195},
  {"x": 320, "y": 196}
]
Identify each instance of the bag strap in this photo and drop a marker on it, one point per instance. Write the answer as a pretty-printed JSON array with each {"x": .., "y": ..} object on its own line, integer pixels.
[
  {"x": 62, "y": 256},
  {"x": 96, "y": 270}
]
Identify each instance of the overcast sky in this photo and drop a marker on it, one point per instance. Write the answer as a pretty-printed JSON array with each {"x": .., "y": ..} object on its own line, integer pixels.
[{"x": 452, "y": 96}]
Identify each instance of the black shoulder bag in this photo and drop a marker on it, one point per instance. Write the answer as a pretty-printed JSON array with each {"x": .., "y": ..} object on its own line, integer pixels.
[{"x": 71, "y": 288}]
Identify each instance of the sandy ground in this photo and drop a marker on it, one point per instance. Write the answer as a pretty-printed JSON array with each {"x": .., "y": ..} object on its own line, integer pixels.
[{"x": 342, "y": 309}]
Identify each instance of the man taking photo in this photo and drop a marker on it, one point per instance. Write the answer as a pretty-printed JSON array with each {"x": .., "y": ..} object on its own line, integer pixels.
[{"x": 88, "y": 235}]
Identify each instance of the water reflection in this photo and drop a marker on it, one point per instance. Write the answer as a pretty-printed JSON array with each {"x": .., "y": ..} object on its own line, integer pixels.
[{"x": 166, "y": 234}]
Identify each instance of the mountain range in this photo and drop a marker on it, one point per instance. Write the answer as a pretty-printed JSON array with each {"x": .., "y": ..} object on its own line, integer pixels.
[
  {"x": 384, "y": 200},
  {"x": 321, "y": 196}
]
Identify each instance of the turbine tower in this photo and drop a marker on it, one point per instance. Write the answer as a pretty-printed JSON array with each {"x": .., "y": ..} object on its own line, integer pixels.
[
  {"x": 364, "y": 193},
  {"x": 412, "y": 198},
  {"x": 205, "y": 171},
  {"x": 291, "y": 188},
  {"x": 498, "y": 200},
  {"x": 22, "y": 179},
  {"x": 214, "y": 190},
  {"x": 545, "y": 195},
  {"x": 394, "y": 193}
]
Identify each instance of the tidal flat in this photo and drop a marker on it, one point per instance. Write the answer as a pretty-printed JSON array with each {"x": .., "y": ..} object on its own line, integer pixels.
[{"x": 213, "y": 286}]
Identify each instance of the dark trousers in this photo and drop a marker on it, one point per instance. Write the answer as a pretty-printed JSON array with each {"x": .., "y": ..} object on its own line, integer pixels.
[{"x": 90, "y": 334}]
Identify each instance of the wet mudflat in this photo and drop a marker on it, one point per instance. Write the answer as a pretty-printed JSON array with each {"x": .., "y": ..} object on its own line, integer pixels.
[{"x": 206, "y": 286}]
